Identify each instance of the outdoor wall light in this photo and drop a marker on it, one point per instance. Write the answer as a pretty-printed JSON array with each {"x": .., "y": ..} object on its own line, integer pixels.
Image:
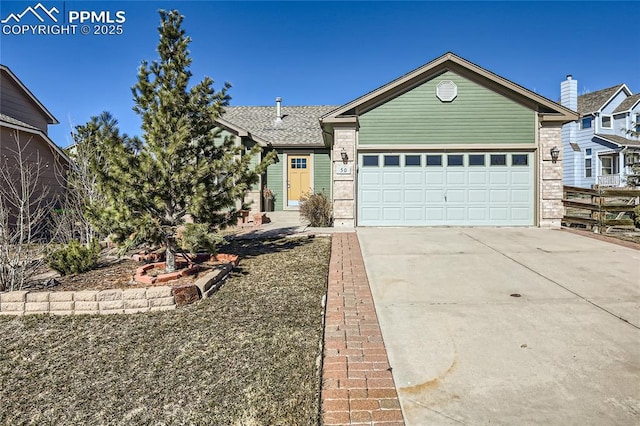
[
  {"x": 555, "y": 153},
  {"x": 345, "y": 157}
]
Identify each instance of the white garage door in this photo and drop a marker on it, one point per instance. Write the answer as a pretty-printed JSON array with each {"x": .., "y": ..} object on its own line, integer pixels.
[{"x": 446, "y": 189}]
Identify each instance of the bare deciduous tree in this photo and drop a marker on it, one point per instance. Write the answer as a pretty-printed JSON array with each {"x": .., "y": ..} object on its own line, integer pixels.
[{"x": 25, "y": 206}]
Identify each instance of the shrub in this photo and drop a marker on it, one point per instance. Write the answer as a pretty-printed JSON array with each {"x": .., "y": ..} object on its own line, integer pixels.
[
  {"x": 74, "y": 257},
  {"x": 195, "y": 237},
  {"x": 636, "y": 214},
  {"x": 317, "y": 209}
]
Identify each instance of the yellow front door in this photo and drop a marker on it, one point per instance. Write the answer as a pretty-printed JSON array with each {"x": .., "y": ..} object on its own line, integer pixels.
[{"x": 298, "y": 178}]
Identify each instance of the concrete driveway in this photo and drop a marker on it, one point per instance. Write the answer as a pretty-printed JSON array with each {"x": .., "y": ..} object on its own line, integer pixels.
[{"x": 465, "y": 351}]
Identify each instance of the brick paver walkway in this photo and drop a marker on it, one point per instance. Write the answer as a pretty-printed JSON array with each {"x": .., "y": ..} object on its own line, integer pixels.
[{"x": 357, "y": 385}]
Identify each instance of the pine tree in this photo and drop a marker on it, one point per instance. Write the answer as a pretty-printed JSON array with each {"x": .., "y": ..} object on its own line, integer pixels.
[{"x": 180, "y": 169}]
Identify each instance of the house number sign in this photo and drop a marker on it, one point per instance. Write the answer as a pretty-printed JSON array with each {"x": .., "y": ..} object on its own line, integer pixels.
[{"x": 343, "y": 169}]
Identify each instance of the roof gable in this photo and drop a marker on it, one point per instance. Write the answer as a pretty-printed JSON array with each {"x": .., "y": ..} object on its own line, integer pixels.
[
  {"x": 5, "y": 71},
  {"x": 628, "y": 104},
  {"x": 595, "y": 101},
  {"x": 549, "y": 110}
]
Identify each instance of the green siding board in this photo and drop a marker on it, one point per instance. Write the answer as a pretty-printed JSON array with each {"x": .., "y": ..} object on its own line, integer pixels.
[
  {"x": 476, "y": 116},
  {"x": 254, "y": 161},
  {"x": 219, "y": 139},
  {"x": 274, "y": 182},
  {"x": 322, "y": 171}
]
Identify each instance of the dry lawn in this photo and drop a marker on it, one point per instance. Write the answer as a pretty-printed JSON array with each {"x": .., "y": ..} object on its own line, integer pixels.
[{"x": 247, "y": 356}]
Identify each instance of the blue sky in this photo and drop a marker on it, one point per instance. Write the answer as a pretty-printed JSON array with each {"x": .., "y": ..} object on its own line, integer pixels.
[{"x": 318, "y": 53}]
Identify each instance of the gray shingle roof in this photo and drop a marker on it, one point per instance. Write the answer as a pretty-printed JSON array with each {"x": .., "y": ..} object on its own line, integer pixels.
[
  {"x": 299, "y": 125},
  {"x": 620, "y": 140},
  {"x": 628, "y": 103},
  {"x": 593, "y": 101}
]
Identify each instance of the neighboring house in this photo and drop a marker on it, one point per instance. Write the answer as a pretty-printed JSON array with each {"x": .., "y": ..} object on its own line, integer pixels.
[
  {"x": 449, "y": 143},
  {"x": 598, "y": 149},
  {"x": 24, "y": 120}
]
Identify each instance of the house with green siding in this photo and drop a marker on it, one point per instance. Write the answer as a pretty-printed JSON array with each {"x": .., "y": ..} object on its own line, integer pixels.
[
  {"x": 303, "y": 161},
  {"x": 447, "y": 144}
]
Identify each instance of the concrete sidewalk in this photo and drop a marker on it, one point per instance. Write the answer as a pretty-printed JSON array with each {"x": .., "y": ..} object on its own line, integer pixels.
[
  {"x": 507, "y": 325},
  {"x": 283, "y": 223}
]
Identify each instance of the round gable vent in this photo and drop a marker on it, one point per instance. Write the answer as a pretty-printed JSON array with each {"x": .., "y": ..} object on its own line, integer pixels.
[{"x": 446, "y": 91}]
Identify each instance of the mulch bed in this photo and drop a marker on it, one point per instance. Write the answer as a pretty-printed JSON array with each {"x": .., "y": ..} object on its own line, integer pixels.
[{"x": 109, "y": 274}]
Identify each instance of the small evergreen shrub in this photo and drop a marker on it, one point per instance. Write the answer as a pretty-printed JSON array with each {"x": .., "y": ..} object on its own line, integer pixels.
[
  {"x": 74, "y": 257},
  {"x": 195, "y": 237},
  {"x": 317, "y": 209}
]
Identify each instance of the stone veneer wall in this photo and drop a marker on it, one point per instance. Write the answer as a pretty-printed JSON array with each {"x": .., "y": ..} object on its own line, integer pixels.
[
  {"x": 127, "y": 301},
  {"x": 344, "y": 186},
  {"x": 551, "y": 209},
  {"x": 253, "y": 198}
]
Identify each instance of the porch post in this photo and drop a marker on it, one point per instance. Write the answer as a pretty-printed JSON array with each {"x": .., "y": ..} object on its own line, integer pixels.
[{"x": 621, "y": 169}]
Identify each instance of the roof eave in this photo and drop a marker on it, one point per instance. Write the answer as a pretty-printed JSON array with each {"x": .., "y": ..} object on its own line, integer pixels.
[
  {"x": 553, "y": 117},
  {"x": 40, "y": 133},
  {"x": 240, "y": 132},
  {"x": 297, "y": 145},
  {"x": 338, "y": 120}
]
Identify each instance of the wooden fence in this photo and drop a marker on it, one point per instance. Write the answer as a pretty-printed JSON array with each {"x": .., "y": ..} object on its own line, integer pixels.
[{"x": 599, "y": 208}]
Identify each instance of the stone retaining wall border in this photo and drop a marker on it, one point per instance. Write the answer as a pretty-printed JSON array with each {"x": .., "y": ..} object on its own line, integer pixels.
[{"x": 92, "y": 302}]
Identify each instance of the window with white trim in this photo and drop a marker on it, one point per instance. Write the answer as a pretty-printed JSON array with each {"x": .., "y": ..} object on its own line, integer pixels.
[{"x": 607, "y": 122}]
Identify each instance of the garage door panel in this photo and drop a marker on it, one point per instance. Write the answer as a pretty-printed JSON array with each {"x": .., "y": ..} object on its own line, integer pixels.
[
  {"x": 434, "y": 195},
  {"x": 391, "y": 196},
  {"x": 370, "y": 214},
  {"x": 434, "y": 177},
  {"x": 520, "y": 196},
  {"x": 393, "y": 214},
  {"x": 477, "y": 196},
  {"x": 500, "y": 177},
  {"x": 413, "y": 196},
  {"x": 456, "y": 195},
  {"x": 391, "y": 177},
  {"x": 520, "y": 213},
  {"x": 434, "y": 214},
  {"x": 413, "y": 214},
  {"x": 370, "y": 178},
  {"x": 413, "y": 178},
  {"x": 477, "y": 178},
  {"x": 498, "y": 195},
  {"x": 455, "y": 215},
  {"x": 415, "y": 193},
  {"x": 520, "y": 177},
  {"x": 368, "y": 196},
  {"x": 477, "y": 214},
  {"x": 456, "y": 177},
  {"x": 498, "y": 213}
]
